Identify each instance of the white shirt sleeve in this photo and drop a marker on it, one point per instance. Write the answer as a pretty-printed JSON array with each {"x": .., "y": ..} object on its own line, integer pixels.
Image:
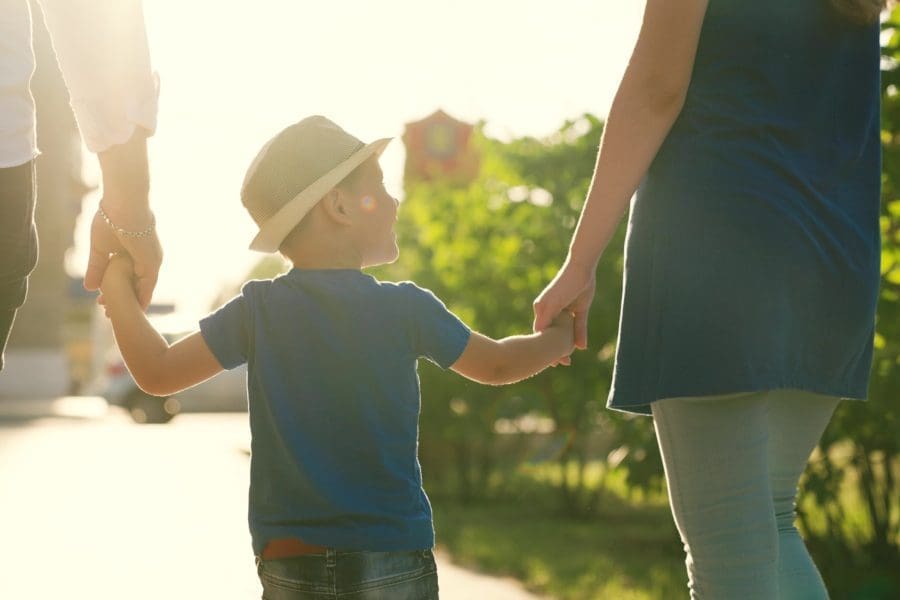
[{"x": 101, "y": 46}]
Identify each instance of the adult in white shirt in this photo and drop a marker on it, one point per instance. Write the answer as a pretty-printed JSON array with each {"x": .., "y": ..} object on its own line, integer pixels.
[{"x": 101, "y": 46}]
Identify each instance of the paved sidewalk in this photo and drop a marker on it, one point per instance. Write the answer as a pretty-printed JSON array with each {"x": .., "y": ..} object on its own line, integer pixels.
[
  {"x": 458, "y": 583},
  {"x": 76, "y": 407},
  {"x": 157, "y": 510}
]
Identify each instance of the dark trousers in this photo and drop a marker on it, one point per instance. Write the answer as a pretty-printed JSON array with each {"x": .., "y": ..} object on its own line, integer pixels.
[{"x": 18, "y": 243}]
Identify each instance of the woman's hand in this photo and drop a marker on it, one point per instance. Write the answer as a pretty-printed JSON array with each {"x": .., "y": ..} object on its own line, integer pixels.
[
  {"x": 126, "y": 187},
  {"x": 145, "y": 252},
  {"x": 572, "y": 289}
]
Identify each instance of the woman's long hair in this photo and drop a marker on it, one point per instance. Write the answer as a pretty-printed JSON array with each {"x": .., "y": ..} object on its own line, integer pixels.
[{"x": 863, "y": 12}]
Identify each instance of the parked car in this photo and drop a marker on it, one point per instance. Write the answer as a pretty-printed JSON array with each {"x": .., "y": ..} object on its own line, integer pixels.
[{"x": 226, "y": 392}]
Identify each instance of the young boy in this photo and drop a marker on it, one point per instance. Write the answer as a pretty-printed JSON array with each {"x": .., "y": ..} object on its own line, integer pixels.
[{"x": 336, "y": 499}]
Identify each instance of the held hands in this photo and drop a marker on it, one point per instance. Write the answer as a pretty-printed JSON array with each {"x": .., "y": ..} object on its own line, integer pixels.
[
  {"x": 572, "y": 290},
  {"x": 129, "y": 225},
  {"x": 145, "y": 252},
  {"x": 565, "y": 324},
  {"x": 119, "y": 270},
  {"x": 118, "y": 279}
]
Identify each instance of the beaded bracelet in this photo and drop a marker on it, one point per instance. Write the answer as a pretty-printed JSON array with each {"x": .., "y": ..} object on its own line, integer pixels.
[{"x": 125, "y": 232}]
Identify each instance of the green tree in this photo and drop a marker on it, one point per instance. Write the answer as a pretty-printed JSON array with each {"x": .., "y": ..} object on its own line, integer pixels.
[
  {"x": 854, "y": 484},
  {"x": 487, "y": 249}
]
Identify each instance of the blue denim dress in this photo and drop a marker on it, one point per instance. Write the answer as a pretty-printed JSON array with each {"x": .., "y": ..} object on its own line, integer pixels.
[{"x": 752, "y": 255}]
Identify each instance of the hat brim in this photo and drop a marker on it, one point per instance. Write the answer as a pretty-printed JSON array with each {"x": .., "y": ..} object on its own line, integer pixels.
[{"x": 278, "y": 226}]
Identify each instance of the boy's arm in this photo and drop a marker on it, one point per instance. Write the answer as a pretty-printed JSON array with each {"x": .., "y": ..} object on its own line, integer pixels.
[
  {"x": 157, "y": 368},
  {"x": 498, "y": 362}
]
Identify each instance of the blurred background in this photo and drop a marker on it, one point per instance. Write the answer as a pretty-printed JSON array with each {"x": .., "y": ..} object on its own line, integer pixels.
[{"x": 497, "y": 111}]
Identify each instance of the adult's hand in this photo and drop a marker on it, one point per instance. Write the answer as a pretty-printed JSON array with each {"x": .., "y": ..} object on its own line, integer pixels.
[
  {"x": 126, "y": 186},
  {"x": 145, "y": 253},
  {"x": 572, "y": 289}
]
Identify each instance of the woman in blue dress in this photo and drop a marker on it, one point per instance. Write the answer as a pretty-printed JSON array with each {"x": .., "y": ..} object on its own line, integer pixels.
[{"x": 749, "y": 131}]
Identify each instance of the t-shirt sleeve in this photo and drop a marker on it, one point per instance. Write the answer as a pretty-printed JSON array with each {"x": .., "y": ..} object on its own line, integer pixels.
[
  {"x": 226, "y": 332},
  {"x": 438, "y": 334}
]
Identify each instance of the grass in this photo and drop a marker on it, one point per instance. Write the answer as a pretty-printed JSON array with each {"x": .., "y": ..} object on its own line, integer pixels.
[{"x": 627, "y": 549}]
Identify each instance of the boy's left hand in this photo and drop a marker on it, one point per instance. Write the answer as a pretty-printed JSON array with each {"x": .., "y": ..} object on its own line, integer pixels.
[{"x": 119, "y": 272}]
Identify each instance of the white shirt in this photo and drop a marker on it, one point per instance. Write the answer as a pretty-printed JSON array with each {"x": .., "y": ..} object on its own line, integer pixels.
[{"x": 101, "y": 47}]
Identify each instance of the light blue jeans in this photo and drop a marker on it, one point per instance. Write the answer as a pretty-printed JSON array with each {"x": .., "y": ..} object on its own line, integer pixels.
[{"x": 732, "y": 465}]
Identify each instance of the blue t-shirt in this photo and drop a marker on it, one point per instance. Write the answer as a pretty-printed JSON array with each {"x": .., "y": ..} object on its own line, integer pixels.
[
  {"x": 753, "y": 248},
  {"x": 334, "y": 404}
]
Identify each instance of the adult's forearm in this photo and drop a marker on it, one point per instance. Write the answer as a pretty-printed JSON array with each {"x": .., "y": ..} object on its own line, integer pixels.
[
  {"x": 639, "y": 120},
  {"x": 126, "y": 174}
]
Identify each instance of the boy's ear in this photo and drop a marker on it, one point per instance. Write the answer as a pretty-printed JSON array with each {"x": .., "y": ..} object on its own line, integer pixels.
[{"x": 336, "y": 207}]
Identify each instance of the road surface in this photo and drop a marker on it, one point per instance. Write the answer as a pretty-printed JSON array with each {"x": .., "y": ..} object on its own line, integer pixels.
[{"x": 95, "y": 507}]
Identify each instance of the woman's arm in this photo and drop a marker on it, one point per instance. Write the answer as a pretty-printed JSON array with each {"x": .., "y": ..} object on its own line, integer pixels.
[
  {"x": 157, "y": 368},
  {"x": 647, "y": 102},
  {"x": 498, "y": 362},
  {"x": 102, "y": 50}
]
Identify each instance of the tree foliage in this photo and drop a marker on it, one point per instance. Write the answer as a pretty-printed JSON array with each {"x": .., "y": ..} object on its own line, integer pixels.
[
  {"x": 854, "y": 482},
  {"x": 487, "y": 249}
]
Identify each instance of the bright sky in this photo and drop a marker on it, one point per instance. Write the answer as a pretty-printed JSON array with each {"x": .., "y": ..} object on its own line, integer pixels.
[{"x": 234, "y": 73}]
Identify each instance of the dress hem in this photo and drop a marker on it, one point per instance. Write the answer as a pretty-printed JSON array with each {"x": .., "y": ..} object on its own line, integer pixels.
[{"x": 643, "y": 408}]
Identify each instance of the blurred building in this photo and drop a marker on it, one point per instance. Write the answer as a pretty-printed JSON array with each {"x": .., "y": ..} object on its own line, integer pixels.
[
  {"x": 440, "y": 147},
  {"x": 37, "y": 363}
]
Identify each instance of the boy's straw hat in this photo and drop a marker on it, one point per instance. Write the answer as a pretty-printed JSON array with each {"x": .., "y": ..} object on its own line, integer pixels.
[{"x": 294, "y": 170}]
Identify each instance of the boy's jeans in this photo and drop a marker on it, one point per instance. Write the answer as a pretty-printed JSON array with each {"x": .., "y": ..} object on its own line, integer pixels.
[
  {"x": 732, "y": 465},
  {"x": 18, "y": 243},
  {"x": 351, "y": 576}
]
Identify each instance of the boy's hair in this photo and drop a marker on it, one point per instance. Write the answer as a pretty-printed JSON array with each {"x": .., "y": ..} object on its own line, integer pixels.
[{"x": 348, "y": 182}]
